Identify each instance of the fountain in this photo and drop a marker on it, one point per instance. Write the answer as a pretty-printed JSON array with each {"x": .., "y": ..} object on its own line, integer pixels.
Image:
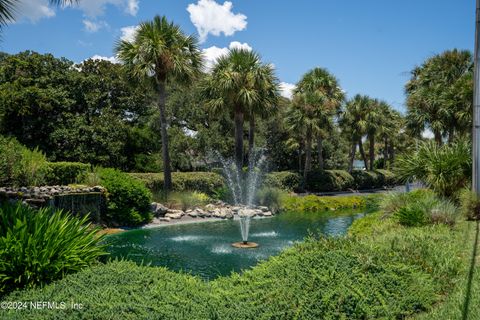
[{"x": 243, "y": 188}]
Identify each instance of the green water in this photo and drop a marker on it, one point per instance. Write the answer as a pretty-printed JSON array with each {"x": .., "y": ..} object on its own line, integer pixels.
[{"x": 205, "y": 249}]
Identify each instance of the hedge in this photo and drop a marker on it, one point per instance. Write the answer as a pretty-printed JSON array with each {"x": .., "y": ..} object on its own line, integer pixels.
[
  {"x": 313, "y": 203},
  {"x": 395, "y": 274},
  {"x": 285, "y": 180},
  {"x": 328, "y": 180},
  {"x": 206, "y": 182},
  {"x": 64, "y": 173}
]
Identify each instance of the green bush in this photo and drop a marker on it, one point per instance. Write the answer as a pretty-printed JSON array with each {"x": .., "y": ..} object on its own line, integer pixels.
[
  {"x": 20, "y": 166},
  {"x": 328, "y": 180},
  {"x": 388, "y": 178},
  {"x": 395, "y": 274},
  {"x": 366, "y": 179},
  {"x": 419, "y": 207},
  {"x": 470, "y": 204},
  {"x": 187, "y": 199},
  {"x": 271, "y": 197},
  {"x": 38, "y": 246},
  {"x": 64, "y": 173},
  {"x": 128, "y": 200},
  {"x": 206, "y": 182},
  {"x": 286, "y": 180},
  {"x": 445, "y": 169},
  {"x": 313, "y": 203}
]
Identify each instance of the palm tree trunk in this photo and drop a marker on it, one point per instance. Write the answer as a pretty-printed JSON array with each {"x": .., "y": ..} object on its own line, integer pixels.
[
  {"x": 308, "y": 154},
  {"x": 320, "y": 152},
  {"x": 451, "y": 135},
  {"x": 352, "y": 156},
  {"x": 251, "y": 138},
  {"x": 438, "y": 137},
  {"x": 362, "y": 153},
  {"x": 167, "y": 174},
  {"x": 371, "y": 151},
  {"x": 239, "y": 137},
  {"x": 300, "y": 151}
]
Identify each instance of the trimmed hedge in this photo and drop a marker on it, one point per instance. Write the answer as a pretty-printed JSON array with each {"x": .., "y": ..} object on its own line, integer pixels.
[
  {"x": 64, "y": 173},
  {"x": 206, "y": 182},
  {"x": 285, "y": 180},
  {"x": 128, "y": 200},
  {"x": 328, "y": 180}
]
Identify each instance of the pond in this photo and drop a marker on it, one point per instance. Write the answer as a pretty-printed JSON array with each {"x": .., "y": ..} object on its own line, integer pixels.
[{"x": 205, "y": 249}]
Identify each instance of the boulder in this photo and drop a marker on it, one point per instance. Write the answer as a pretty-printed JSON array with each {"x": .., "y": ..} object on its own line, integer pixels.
[
  {"x": 263, "y": 208},
  {"x": 158, "y": 209},
  {"x": 267, "y": 214}
]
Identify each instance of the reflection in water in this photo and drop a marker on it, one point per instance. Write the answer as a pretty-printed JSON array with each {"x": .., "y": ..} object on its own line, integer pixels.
[{"x": 205, "y": 249}]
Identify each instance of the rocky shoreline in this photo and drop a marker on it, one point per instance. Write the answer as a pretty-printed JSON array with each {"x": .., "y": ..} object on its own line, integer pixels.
[{"x": 211, "y": 212}]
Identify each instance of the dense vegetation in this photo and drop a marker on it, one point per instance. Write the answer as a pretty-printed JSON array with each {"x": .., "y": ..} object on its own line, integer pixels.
[
  {"x": 356, "y": 277},
  {"x": 37, "y": 247}
]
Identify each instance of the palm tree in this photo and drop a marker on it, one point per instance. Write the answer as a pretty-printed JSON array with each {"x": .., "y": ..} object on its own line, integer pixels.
[
  {"x": 240, "y": 82},
  {"x": 317, "y": 96},
  {"x": 8, "y": 9},
  {"x": 440, "y": 95},
  {"x": 161, "y": 51},
  {"x": 352, "y": 121},
  {"x": 373, "y": 121},
  {"x": 391, "y": 124}
]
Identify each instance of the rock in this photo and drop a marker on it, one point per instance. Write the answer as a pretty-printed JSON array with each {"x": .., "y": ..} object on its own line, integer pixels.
[
  {"x": 267, "y": 214},
  {"x": 210, "y": 207},
  {"x": 35, "y": 202},
  {"x": 246, "y": 212},
  {"x": 164, "y": 219},
  {"x": 174, "y": 214},
  {"x": 158, "y": 209},
  {"x": 264, "y": 209},
  {"x": 192, "y": 213},
  {"x": 236, "y": 209}
]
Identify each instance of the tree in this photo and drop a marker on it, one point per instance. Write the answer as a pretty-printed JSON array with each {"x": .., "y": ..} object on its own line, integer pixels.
[
  {"x": 440, "y": 95},
  {"x": 373, "y": 117},
  {"x": 243, "y": 85},
  {"x": 317, "y": 97},
  {"x": 160, "y": 50},
  {"x": 352, "y": 121}
]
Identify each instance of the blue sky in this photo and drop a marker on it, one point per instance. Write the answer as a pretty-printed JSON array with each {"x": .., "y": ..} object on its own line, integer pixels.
[{"x": 370, "y": 45}]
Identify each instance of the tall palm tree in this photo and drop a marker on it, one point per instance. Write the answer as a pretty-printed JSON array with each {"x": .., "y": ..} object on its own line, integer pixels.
[
  {"x": 317, "y": 96},
  {"x": 8, "y": 9},
  {"x": 161, "y": 51},
  {"x": 241, "y": 83},
  {"x": 373, "y": 121},
  {"x": 353, "y": 124},
  {"x": 440, "y": 95}
]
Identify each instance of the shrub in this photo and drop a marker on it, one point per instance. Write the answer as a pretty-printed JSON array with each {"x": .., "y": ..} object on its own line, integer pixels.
[
  {"x": 419, "y": 207},
  {"x": 20, "y": 166},
  {"x": 470, "y": 204},
  {"x": 206, "y": 182},
  {"x": 38, "y": 246},
  {"x": 446, "y": 169},
  {"x": 312, "y": 203},
  {"x": 187, "y": 199},
  {"x": 64, "y": 173},
  {"x": 271, "y": 198},
  {"x": 128, "y": 200},
  {"x": 388, "y": 178},
  {"x": 285, "y": 180},
  {"x": 328, "y": 180}
]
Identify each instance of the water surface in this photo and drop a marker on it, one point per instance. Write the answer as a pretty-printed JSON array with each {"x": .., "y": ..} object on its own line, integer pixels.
[{"x": 205, "y": 249}]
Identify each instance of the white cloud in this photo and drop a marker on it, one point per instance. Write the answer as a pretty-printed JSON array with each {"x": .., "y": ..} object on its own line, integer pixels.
[
  {"x": 211, "y": 54},
  {"x": 132, "y": 7},
  {"x": 128, "y": 33},
  {"x": 209, "y": 17},
  {"x": 238, "y": 45},
  {"x": 95, "y": 8},
  {"x": 99, "y": 57},
  {"x": 93, "y": 26},
  {"x": 286, "y": 89},
  {"x": 33, "y": 10}
]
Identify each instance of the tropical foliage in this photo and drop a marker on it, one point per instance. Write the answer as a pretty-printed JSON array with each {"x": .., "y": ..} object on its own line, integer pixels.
[{"x": 37, "y": 247}]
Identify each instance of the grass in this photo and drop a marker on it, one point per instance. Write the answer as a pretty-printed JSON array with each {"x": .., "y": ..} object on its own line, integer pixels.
[{"x": 381, "y": 270}]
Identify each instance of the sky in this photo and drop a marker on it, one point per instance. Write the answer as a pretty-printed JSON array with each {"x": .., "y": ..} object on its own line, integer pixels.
[{"x": 369, "y": 45}]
